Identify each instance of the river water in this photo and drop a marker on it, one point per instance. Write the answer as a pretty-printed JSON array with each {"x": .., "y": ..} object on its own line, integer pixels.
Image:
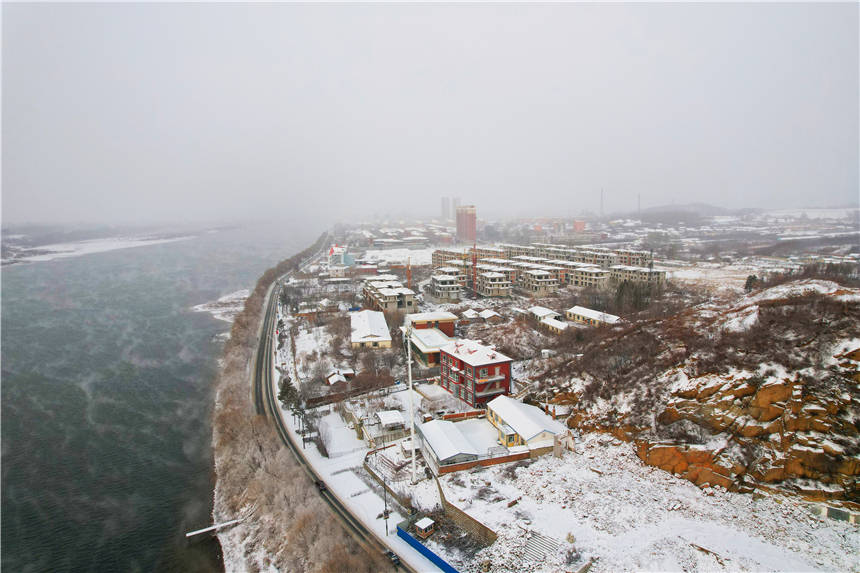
[{"x": 107, "y": 394}]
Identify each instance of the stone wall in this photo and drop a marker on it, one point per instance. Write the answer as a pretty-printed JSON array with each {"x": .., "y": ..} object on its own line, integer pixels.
[{"x": 466, "y": 521}]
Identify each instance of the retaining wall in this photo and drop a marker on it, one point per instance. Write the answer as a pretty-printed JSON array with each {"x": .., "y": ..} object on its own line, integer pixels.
[{"x": 466, "y": 521}]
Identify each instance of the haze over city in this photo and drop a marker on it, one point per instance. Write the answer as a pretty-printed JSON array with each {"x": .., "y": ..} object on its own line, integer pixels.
[{"x": 152, "y": 112}]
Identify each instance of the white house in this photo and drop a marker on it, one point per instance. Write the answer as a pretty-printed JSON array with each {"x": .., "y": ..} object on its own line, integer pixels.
[
  {"x": 523, "y": 425},
  {"x": 442, "y": 443},
  {"x": 369, "y": 330},
  {"x": 542, "y": 312},
  {"x": 592, "y": 317}
]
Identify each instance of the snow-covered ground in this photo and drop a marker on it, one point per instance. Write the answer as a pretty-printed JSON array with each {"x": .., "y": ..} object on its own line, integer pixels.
[
  {"x": 729, "y": 278},
  {"x": 813, "y": 213},
  {"x": 80, "y": 248},
  {"x": 417, "y": 257},
  {"x": 630, "y": 516},
  {"x": 227, "y": 307},
  {"x": 342, "y": 472}
]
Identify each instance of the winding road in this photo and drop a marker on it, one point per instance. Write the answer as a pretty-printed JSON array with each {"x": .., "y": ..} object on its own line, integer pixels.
[{"x": 266, "y": 404}]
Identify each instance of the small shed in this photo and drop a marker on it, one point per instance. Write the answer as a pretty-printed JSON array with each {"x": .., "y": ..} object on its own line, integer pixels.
[
  {"x": 391, "y": 419},
  {"x": 491, "y": 316},
  {"x": 468, "y": 315},
  {"x": 424, "y": 527}
]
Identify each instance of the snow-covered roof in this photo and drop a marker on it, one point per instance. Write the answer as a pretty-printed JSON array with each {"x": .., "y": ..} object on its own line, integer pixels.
[
  {"x": 335, "y": 377},
  {"x": 488, "y": 313},
  {"x": 368, "y": 325},
  {"x": 527, "y": 421},
  {"x": 474, "y": 353},
  {"x": 390, "y": 417},
  {"x": 404, "y": 290},
  {"x": 430, "y": 316},
  {"x": 594, "y": 314},
  {"x": 554, "y": 323},
  {"x": 378, "y": 284},
  {"x": 470, "y": 313},
  {"x": 424, "y": 523},
  {"x": 542, "y": 311},
  {"x": 445, "y": 439},
  {"x": 429, "y": 339}
]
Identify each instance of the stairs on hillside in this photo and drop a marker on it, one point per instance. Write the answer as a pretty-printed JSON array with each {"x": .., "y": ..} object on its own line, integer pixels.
[{"x": 539, "y": 546}]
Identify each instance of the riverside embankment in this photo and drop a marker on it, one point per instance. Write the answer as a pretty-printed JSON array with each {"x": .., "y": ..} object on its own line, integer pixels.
[{"x": 289, "y": 527}]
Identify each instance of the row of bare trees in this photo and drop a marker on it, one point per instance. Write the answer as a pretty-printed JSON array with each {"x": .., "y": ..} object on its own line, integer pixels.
[{"x": 255, "y": 470}]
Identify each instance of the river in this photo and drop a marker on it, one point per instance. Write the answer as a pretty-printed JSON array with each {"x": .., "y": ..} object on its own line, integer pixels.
[{"x": 107, "y": 391}]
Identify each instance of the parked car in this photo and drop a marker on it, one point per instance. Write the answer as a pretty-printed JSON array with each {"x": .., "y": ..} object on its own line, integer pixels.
[
  {"x": 392, "y": 556},
  {"x": 321, "y": 485}
]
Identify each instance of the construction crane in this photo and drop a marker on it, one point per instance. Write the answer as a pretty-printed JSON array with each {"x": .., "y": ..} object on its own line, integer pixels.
[{"x": 409, "y": 272}]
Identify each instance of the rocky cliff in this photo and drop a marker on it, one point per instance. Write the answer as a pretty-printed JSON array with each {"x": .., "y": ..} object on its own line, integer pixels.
[{"x": 761, "y": 392}]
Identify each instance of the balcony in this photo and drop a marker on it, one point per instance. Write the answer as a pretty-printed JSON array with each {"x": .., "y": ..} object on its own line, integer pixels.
[{"x": 489, "y": 392}]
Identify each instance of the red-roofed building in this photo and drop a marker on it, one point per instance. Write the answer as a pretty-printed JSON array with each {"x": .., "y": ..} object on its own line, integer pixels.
[{"x": 474, "y": 373}]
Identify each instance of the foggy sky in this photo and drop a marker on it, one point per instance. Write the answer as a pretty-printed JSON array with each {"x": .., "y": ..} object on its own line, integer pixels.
[{"x": 119, "y": 112}]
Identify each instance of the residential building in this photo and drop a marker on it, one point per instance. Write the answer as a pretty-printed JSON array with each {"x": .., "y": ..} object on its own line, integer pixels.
[
  {"x": 535, "y": 282},
  {"x": 519, "y": 424},
  {"x": 389, "y": 295},
  {"x": 442, "y": 444},
  {"x": 632, "y": 258},
  {"x": 473, "y": 372},
  {"x": 589, "y": 276},
  {"x": 442, "y": 320},
  {"x": 338, "y": 256},
  {"x": 554, "y": 325},
  {"x": 542, "y": 312},
  {"x": 637, "y": 274},
  {"x": 591, "y": 317},
  {"x": 426, "y": 345},
  {"x": 466, "y": 224},
  {"x": 489, "y": 315},
  {"x": 493, "y": 284},
  {"x": 446, "y": 287},
  {"x": 469, "y": 316},
  {"x": 369, "y": 330},
  {"x": 457, "y": 272}
]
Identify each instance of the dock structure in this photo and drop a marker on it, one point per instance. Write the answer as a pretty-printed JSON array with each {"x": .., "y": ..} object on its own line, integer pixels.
[{"x": 213, "y": 527}]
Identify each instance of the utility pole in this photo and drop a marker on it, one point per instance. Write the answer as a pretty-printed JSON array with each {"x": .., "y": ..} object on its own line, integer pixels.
[
  {"x": 411, "y": 397},
  {"x": 385, "y": 496}
]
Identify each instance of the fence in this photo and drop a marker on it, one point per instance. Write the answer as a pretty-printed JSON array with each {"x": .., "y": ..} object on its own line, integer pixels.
[
  {"x": 403, "y": 501},
  {"x": 422, "y": 549},
  {"x": 464, "y": 415}
]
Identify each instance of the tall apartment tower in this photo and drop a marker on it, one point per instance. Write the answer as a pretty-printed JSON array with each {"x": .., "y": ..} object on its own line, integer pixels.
[
  {"x": 446, "y": 209},
  {"x": 466, "y": 224}
]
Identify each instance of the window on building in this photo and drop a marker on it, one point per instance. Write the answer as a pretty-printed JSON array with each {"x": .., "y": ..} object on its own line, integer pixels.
[{"x": 483, "y": 373}]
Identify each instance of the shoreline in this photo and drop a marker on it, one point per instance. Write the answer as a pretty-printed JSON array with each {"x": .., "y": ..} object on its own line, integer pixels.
[{"x": 254, "y": 474}]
